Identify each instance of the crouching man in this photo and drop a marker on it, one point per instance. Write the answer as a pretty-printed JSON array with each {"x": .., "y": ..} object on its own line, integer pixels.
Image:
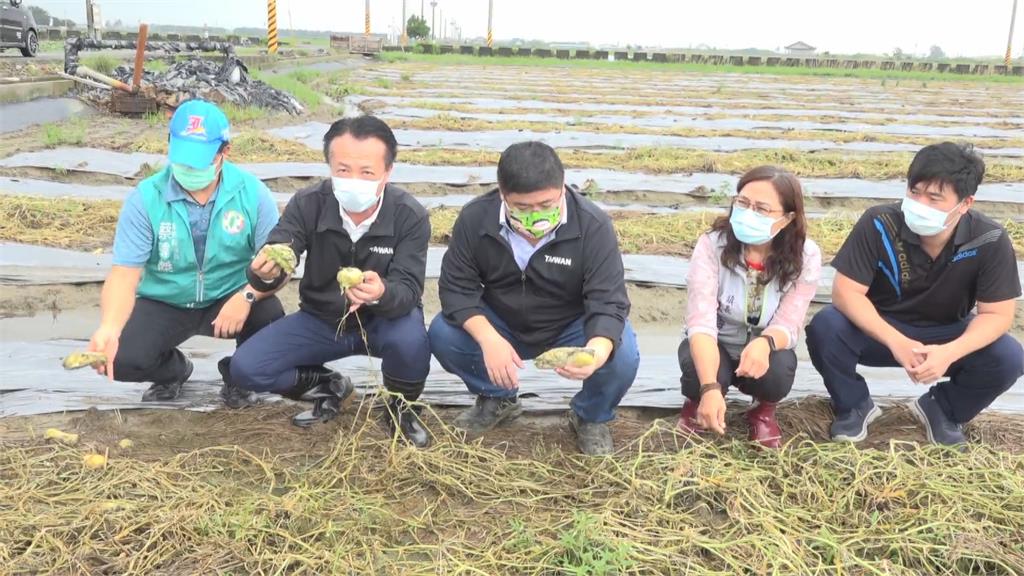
[
  {"x": 907, "y": 282},
  {"x": 531, "y": 266},
  {"x": 353, "y": 220},
  {"x": 183, "y": 243}
]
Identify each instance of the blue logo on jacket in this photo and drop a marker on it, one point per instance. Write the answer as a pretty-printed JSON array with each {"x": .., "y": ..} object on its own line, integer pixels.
[{"x": 965, "y": 254}]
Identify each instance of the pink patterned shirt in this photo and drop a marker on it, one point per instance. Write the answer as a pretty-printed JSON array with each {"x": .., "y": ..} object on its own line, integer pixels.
[{"x": 716, "y": 296}]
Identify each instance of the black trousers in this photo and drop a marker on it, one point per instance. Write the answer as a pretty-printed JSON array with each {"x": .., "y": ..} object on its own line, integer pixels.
[
  {"x": 148, "y": 351},
  {"x": 772, "y": 387}
]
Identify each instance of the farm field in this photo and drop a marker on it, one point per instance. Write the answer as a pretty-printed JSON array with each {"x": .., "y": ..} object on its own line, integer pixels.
[{"x": 210, "y": 490}]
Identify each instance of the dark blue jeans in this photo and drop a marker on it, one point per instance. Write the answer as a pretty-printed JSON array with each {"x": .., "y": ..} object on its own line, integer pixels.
[
  {"x": 460, "y": 354},
  {"x": 836, "y": 346},
  {"x": 267, "y": 362}
]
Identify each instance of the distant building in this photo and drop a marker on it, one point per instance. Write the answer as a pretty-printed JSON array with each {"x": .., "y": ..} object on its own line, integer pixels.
[{"x": 801, "y": 49}]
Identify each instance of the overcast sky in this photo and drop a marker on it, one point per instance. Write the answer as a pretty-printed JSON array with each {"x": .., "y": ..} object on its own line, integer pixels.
[{"x": 967, "y": 28}]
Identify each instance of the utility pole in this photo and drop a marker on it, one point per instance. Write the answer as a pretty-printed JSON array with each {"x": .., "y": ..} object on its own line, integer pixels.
[
  {"x": 366, "y": 26},
  {"x": 433, "y": 19},
  {"x": 90, "y": 25},
  {"x": 1009, "y": 41},
  {"x": 272, "y": 26},
  {"x": 405, "y": 35},
  {"x": 490, "y": 23},
  {"x": 422, "y": 13}
]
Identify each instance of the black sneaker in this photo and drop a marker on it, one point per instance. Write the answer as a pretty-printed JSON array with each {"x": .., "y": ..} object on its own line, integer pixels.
[
  {"x": 327, "y": 398},
  {"x": 853, "y": 425},
  {"x": 592, "y": 438},
  {"x": 940, "y": 429},
  {"x": 487, "y": 413},
  {"x": 168, "y": 391},
  {"x": 398, "y": 411},
  {"x": 233, "y": 396}
]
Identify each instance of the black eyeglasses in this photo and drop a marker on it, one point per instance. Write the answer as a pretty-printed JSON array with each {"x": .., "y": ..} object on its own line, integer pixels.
[{"x": 759, "y": 207}]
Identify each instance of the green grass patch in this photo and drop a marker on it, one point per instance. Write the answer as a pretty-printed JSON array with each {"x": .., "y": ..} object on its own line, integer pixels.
[
  {"x": 290, "y": 83},
  {"x": 102, "y": 63},
  {"x": 241, "y": 114},
  {"x": 465, "y": 59},
  {"x": 70, "y": 133},
  {"x": 157, "y": 66}
]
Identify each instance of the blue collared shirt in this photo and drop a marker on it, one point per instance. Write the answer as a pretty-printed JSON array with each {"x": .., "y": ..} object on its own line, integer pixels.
[{"x": 133, "y": 242}]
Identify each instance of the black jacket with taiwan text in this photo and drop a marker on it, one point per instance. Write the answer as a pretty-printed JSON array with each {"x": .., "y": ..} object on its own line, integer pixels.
[
  {"x": 577, "y": 274},
  {"x": 395, "y": 247}
]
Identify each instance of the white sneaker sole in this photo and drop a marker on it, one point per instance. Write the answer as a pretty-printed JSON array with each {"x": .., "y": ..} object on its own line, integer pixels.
[{"x": 871, "y": 417}]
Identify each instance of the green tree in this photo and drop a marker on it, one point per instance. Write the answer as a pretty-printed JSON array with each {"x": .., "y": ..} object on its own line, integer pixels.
[
  {"x": 417, "y": 27},
  {"x": 936, "y": 53}
]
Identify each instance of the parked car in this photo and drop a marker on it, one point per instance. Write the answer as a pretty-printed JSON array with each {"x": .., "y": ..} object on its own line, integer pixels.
[{"x": 18, "y": 28}]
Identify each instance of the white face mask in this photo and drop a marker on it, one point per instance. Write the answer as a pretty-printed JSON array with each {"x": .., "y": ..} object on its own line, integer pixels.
[
  {"x": 355, "y": 195},
  {"x": 924, "y": 220}
]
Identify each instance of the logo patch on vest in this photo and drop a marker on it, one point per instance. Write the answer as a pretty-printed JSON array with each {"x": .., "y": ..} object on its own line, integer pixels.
[
  {"x": 166, "y": 242},
  {"x": 233, "y": 222},
  {"x": 558, "y": 260},
  {"x": 386, "y": 250}
]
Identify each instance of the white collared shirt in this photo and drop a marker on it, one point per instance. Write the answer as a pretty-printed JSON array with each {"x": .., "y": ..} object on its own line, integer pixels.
[
  {"x": 355, "y": 232},
  {"x": 522, "y": 249}
]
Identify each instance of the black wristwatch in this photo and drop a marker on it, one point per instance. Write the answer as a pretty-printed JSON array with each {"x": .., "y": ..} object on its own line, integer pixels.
[
  {"x": 249, "y": 295},
  {"x": 771, "y": 341}
]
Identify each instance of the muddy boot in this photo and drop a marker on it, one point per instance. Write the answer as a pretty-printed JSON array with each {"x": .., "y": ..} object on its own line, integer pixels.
[
  {"x": 592, "y": 438},
  {"x": 168, "y": 391},
  {"x": 233, "y": 396},
  {"x": 399, "y": 415},
  {"x": 307, "y": 380},
  {"x": 688, "y": 418},
  {"x": 764, "y": 429},
  {"x": 327, "y": 395},
  {"x": 487, "y": 413}
]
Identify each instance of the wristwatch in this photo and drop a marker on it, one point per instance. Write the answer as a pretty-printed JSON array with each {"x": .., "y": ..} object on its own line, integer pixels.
[
  {"x": 249, "y": 295},
  {"x": 771, "y": 341}
]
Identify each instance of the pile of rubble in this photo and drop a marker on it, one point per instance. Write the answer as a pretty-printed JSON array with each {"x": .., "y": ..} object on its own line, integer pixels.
[{"x": 220, "y": 82}]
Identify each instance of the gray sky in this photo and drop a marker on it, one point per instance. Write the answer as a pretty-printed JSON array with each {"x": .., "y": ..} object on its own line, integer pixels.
[{"x": 971, "y": 28}]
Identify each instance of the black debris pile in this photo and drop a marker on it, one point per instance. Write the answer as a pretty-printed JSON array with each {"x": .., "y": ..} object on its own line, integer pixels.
[{"x": 219, "y": 82}]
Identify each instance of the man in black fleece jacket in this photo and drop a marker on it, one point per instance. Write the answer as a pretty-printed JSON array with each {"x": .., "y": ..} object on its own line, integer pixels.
[
  {"x": 355, "y": 219},
  {"x": 531, "y": 266}
]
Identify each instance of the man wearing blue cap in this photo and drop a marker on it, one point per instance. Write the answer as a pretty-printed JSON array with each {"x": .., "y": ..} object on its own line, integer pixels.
[{"x": 184, "y": 240}]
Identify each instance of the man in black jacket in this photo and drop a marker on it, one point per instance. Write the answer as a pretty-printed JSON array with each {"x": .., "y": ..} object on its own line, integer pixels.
[
  {"x": 355, "y": 219},
  {"x": 531, "y": 266}
]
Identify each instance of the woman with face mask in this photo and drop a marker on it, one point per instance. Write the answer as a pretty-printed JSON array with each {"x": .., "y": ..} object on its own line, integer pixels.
[{"x": 750, "y": 282}]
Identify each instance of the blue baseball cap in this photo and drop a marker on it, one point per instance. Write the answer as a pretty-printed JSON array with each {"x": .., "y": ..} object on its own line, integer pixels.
[{"x": 198, "y": 128}]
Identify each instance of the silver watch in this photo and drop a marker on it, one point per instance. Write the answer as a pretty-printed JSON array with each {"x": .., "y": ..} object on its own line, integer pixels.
[{"x": 249, "y": 295}]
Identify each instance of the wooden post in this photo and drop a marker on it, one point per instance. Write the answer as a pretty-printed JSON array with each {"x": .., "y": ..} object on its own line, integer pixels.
[{"x": 140, "y": 56}]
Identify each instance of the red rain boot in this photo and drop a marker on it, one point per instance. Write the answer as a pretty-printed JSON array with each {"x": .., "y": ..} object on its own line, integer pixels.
[
  {"x": 764, "y": 429},
  {"x": 688, "y": 418}
]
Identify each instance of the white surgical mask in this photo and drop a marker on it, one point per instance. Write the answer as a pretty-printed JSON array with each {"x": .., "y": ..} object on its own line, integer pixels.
[
  {"x": 924, "y": 220},
  {"x": 355, "y": 195}
]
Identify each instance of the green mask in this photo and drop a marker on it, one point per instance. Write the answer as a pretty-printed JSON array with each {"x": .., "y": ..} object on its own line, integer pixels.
[
  {"x": 191, "y": 179},
  {"x": 539, "y": 222}
]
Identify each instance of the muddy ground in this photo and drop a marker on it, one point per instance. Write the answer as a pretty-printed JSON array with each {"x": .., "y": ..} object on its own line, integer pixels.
[{"x": 159, "y": 434}]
